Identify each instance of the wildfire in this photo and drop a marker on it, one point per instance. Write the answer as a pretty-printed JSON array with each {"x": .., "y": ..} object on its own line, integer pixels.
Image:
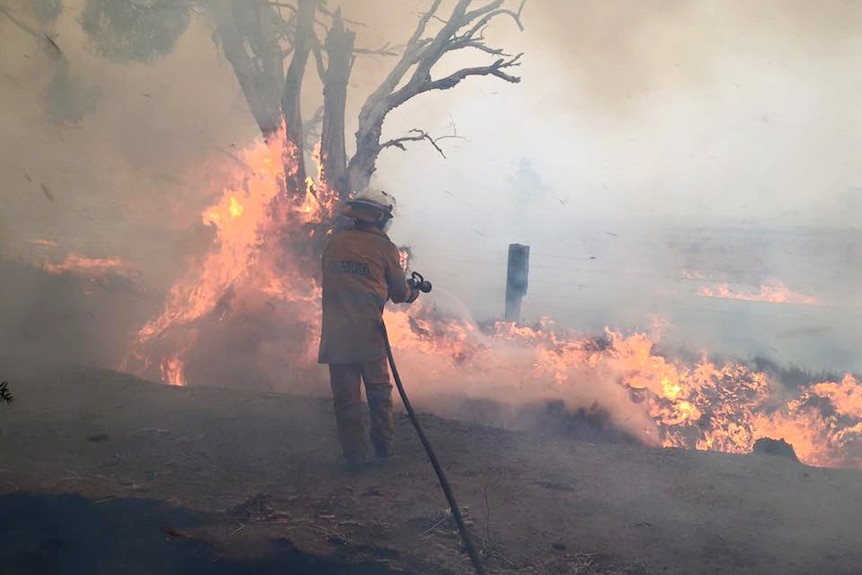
[
  {"x": 101, "y": 272},
  {"x": 82, "y": 265},
  {"x": 172, "y": 371},
  {"x": 662, "y": 402},
  {"x": 246, "y": 268},
  {"x": 404, "y": 258},
  {"x": 238, "y": 219},
  {"x": 251, "y": 308},
  {"x": 773, "y": 291}
]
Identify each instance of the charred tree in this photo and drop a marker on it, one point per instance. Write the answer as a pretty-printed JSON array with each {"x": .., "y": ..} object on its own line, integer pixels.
[
  {"x": 248, "y": 32},
  {"x": 291, "y": 101},
  {"x": 335, "y": 74},
  {"x": 251, "y": 35},
  {"x": 412, "y": 75},
  {"x": 258, "y": 36}
]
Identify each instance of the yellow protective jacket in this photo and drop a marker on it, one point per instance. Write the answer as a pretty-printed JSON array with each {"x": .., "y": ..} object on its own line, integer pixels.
[{"x": 361, "y": 271}]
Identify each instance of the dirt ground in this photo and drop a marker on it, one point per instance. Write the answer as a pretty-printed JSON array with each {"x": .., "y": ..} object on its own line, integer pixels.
[{"x": 103, "y": 473}]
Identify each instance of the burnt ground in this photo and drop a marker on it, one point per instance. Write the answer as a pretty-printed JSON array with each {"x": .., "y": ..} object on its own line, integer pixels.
[{"x": 103, "y": 473}]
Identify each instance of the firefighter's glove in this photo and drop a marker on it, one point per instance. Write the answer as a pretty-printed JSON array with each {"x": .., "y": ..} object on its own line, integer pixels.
[{"x": 414, "y": 294}]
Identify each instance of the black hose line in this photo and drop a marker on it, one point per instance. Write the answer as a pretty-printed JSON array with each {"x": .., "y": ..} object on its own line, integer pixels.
[{"x": 444, "y": 483}]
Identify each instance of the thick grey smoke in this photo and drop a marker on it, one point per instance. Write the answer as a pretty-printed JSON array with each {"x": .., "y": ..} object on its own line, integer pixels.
[
  {"x": 104, "y": 160},
  {"x": 635, "y": 121},
  {"x": 655, "y": 148}
]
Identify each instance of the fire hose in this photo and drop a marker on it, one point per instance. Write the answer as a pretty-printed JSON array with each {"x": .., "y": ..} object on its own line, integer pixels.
[{"x": 418, "y": 282}]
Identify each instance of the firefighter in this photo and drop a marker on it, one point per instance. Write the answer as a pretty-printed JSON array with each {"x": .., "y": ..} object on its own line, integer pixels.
[{"x": 361, "y": 271}]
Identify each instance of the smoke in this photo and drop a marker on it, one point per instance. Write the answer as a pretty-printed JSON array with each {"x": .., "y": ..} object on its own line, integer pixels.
[
  {"x": 616, "y": 56},
  {"x": 640, "y": 133},
  {"x": 501, "y": 387},
  {"x": 663, "y": 139}
]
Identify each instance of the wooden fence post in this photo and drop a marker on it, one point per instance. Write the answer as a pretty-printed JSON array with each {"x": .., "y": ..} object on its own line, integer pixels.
[{"x": 516, "y": 280}]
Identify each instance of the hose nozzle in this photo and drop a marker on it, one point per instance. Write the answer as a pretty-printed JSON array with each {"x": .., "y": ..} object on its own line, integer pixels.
[{"x": 416, "y": 281}]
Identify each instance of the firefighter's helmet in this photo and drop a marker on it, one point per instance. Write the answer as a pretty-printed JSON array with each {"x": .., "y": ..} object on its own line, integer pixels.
[{"x": 370, "y": 205}]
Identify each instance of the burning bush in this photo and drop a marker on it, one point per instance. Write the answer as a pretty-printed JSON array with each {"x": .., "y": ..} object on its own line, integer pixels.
[{"x": 250, "y": 314}]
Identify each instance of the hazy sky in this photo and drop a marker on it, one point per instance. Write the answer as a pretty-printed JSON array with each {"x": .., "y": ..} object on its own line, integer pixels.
[
  {"x": 680, "y": 108},
  {"x": 662, "y": 107},
  {"x": 674, "y": 110}
]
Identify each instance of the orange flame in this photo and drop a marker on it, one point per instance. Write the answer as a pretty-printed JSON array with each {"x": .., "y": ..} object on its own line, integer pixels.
[
  {"x": 773, "y": 291},
  {"x": 95, "y": 271},
  {"x": 245, "y": 252},
  {"x": 660, "y": 401},
  {"x": 172, "y": 371},
  {"x": 706, "y": 406},
  {"x": 82, "y": 265}
]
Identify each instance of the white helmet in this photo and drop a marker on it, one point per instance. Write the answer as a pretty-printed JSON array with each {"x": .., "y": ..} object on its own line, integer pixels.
[{"x": 370, "y": 205}]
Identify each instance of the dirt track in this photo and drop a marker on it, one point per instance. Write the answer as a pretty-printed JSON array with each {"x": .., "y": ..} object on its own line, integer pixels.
[{"x": 102, "y": 473}]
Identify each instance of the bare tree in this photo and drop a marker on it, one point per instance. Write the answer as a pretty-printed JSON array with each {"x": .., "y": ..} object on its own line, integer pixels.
[
  {"x": 258, "y": 37},
  {"x": 463, "y": 29},
  {"x": 291, "y": 108},
  {"x": 412, "y": 75},
  {"x": 249, "y": 34},
  {"x": 335, "y": 74}
]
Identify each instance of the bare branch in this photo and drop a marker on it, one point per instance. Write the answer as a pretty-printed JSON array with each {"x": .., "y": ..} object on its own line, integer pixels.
[
  {"x": 318, "y": 59},
  {"x": 312, "y": 128},
  {"x": 331, "y": 14},
  {"x": 487, "y": 8},
  {"x": 412, "y": 74},
  {"x": 438, "y": 19},
  {"x": 385, "y": 50},
  {"x": 317, "y": 118},
  {"x": 290, "y": 7},
  {"x": 483, "y": 22},
  {"x": 448, "y": 39},
  {"x": 317, "y": 21},
  {"x": 287, "y": 27},
  {"x": 495, "y": 69},
  {"x": 478, "y": 44},
  {"x": 418, "y": 136},
  {"x": 423, "y": 22},
  {"x": 411, "y": 55}
]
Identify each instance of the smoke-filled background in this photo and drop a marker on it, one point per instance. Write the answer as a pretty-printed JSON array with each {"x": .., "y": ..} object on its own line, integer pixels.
[{"x": 653, "y": 149}]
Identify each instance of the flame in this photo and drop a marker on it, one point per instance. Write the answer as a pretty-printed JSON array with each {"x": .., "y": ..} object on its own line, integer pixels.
[
  {"x": 97, "y": 272},
  {"x": 45, "y": 243},
  {"x": 773, "y": 291},
  {"x": 404, "y": 258},
  {"x": 705, "y": 406},
  {"x": 256, "y": 290},
  {"x": 85, "y": 266},
  {"x": 172, "y": 371},
  {"x": 237, "y": 218},
  {"x": 248, "y": 221},
  {"x": 235, "y": 209}
]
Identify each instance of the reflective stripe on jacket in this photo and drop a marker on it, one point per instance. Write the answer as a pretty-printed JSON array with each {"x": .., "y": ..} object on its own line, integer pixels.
[{"x": 361, "y": 271}]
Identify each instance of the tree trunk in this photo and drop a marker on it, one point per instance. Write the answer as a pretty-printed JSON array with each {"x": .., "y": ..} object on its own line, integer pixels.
[
  {"x": 333, "y": 151},
  {"x": 247, "y": 32},
  {"x": 291, "y": 108},
  {"x": 364, "y": 162}
]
